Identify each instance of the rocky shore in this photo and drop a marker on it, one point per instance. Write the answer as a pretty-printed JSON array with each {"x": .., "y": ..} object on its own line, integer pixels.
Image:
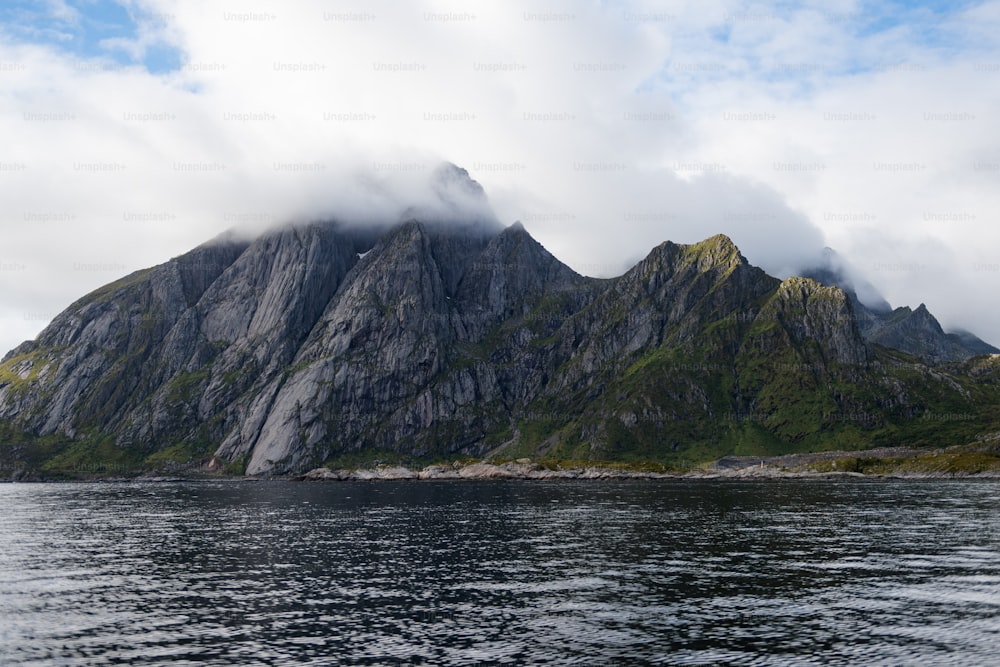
[
  {"x": 813, "y": 466},
  {"x": 521, "y": 469}
]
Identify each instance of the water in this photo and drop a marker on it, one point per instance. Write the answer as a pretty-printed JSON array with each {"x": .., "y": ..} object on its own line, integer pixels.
[{"x": 463, "y": 573}]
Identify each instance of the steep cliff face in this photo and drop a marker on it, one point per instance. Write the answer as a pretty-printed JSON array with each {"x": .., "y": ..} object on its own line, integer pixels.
[
  {"x": 170, "y": 353},
  {"x": 114, "y": 343},
  {"x": 400, "y": 358},
  {"x": 446, "y": 338}
]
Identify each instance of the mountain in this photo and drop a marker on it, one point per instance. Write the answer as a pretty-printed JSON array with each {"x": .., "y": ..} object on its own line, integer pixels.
[
  {"x": 437, "y": 339},
  {"x": 916, "y": 332}
]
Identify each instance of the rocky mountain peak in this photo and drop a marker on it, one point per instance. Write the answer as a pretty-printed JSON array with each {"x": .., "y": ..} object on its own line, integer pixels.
[
  {"x": 831, "y": 269},
  {"x": 718, "y": 250},
  {"x": 915, "y": 331}
]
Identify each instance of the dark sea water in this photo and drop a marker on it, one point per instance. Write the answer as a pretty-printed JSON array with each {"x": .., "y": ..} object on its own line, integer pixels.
[{"x": 464, "y": 573}]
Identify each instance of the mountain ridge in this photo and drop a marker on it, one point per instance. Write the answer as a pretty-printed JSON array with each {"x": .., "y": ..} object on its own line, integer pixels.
[
  {"x": 915, "y": 331},
  {"x": 437, "y": 339}
]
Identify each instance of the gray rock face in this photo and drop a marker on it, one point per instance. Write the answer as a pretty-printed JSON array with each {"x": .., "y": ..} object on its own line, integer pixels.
[
  {"x": 808, "y": 311},
  {"x": 430, "y": 338}
]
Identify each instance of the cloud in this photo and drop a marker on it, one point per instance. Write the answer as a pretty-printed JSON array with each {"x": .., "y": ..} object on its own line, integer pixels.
[{"x": 605, "y": 127}]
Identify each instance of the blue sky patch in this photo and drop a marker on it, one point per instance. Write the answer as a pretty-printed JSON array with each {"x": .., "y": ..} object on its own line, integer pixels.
[{"x": 87, "y": 29}]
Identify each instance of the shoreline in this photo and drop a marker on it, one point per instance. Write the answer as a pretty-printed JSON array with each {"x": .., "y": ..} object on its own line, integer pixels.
[
  {"x": 569, "y": 474},
  {"x": 976, "y": 461},
  {"x": 530, "y": 471}
]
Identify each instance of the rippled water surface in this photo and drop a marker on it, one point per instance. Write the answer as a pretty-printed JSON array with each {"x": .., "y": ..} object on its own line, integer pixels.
[{"x": 461, "y": 573}]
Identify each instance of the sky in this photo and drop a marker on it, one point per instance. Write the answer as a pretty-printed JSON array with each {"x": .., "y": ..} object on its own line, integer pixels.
[{"x": 134, "y": 130}]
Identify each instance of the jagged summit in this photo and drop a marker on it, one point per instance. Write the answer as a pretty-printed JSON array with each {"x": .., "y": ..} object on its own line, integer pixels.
[
  {"x": 918, "y": 332},
  {"x": 913, "y": 331},
  {"x": 443, "y": 338}
]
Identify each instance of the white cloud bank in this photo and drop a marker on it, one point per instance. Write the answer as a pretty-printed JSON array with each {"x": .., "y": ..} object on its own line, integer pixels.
[{"x": 605, "y": 127}]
